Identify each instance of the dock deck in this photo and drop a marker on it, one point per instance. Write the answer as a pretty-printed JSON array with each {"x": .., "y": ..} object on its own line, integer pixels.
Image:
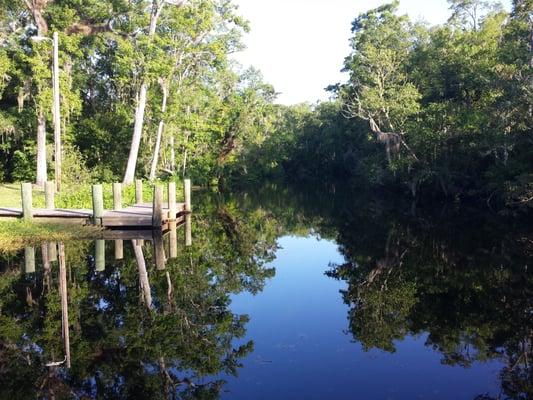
[{"x": 138, "y": 215}]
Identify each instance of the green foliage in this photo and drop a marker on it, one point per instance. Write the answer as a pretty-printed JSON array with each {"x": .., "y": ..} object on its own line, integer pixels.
[{"x": 436, "y": 112}]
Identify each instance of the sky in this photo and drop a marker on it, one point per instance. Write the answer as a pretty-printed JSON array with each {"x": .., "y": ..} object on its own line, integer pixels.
[{"x": 300, "y": 45}]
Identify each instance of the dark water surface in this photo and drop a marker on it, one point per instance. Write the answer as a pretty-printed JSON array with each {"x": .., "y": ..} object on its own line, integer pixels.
[{"x": 283, "y": 294}]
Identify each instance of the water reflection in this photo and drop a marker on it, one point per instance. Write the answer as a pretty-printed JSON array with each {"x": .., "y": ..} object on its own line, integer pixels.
[
  {"x": 126, "y": 321},
  {"x": 150, "y": 315}
]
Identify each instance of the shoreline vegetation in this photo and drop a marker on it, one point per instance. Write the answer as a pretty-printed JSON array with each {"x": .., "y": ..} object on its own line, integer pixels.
[{"x": 430, "y": 113}]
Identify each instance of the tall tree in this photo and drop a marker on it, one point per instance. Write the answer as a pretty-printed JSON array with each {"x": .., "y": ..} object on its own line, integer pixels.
[
  {"x": 129, "y": 175},
  {"x": 379, "y": 89}
]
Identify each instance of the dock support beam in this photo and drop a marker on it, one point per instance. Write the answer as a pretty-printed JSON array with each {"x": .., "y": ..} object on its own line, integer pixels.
[
  {"x": 157, "y": 209},
  {"x": 173, "y": 239},
  {"x": 49, "y": 194},
  {"x": 27, "y": 202},
  {"x": 188, "y": 230},
  {"x": 117, "y": 196},
  {"x": 138, "y": 191},
  {"x": 172, "y": 201},
  {"x": 187, "y": 192},
  {"x": 159, "y": 250},
  {"x": 98, "y": 204}
]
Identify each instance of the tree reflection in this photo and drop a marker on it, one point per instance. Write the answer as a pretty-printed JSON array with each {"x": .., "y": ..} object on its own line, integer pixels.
[
  {"x": 135, "y": 331},
  {"x": 465, "y": 283}
]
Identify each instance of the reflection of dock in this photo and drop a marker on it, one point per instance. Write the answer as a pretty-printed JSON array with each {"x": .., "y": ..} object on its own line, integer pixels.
[
  {"x": 140, "y": 215},
  {"x": 164, "y": 245}
]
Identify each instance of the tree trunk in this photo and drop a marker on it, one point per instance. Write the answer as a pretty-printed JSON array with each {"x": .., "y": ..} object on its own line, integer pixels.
[
  {"x": 41, "y": 150},
  {"x": 155, "y": 157},
  {"x": 57, "y": 114},
  {"x": 172, "y": 156},
  {"x": 129, "y": 175}
]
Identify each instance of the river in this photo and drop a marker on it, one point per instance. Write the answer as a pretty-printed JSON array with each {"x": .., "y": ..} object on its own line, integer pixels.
[{"x": 282, "y": 294}]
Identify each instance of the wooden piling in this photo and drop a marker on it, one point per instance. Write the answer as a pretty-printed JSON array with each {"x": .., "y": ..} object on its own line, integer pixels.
[
  {"x": 159, "y": 250},
  {"x": 49, "y": 194},
  {"x": 138, "y": 191},
  {"x": 27, "y": 201},
  {"x": 172, "y": 201},
  {"x": 99, "y": 255},
  {"x": 157, "y": 209},
  {"x": 117, "y": 196},
  {"x": 187, "y": 192},
  {"x": 29, "y": 260},
  {"x": 173, "y": 239},
  {"x": 188, "y": 230},
  {"x": 98, "y": 204}
]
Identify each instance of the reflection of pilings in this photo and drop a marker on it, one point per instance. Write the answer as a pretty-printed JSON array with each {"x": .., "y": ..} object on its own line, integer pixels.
[
  {"x": 99, "y": 257},
  {"x": 52, "y": 251},
  {"x": 143, "y": 275},
  {"x": 46, "y": 265},
  {"x": 29, "y": 260},
  {"x": 64, "y": 303},
  {"x": 119, "y": 249},
  {"x": 173, "y": 239},
  {"x": 188, "y": 230}
]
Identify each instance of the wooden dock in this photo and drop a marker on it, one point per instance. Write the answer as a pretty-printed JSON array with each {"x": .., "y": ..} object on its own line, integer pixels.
[{"x": 137, "y": 216}]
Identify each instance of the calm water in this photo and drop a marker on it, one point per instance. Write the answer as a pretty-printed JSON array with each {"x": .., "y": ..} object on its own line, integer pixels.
[{"x": 281, "y": 295}]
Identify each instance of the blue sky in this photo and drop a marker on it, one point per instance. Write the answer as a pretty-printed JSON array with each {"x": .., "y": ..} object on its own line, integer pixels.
[{"x": 299, "y": 45}]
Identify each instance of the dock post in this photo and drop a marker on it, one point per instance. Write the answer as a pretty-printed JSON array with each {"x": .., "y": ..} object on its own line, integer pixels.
[
  {"x": 159, "y": 250},
  {"x": 49, "y": 194},
  {"x": 98, "y": 204},
  {"x": 188, "y": 230},
  {"x": 157, "y": 208},
  {"x": 138, "y": 191},
  {"x": 117, "y": 196},
  {"x": 29, "y": 260},
  {"x": 172, "y": 201},
  {"x": 187, "y": 191},
  {"x": 173, "y": 239},
  {"x": 27, "y": 202},
  {"x": 99, "y": 255}
]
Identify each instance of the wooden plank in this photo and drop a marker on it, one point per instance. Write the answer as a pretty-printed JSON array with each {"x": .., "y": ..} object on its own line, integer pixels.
[
  {"x": 62, "y": 213},
  {"x": 120, "y": 234},
  {"x": 137, "y": 215},
  {"x": 10, "y": 212}
]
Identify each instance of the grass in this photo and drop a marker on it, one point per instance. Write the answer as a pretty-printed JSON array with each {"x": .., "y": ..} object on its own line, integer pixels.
[
  {"x": 18, "y": 234},
  {"x": 10, "y": 195},
  {"x": 78, "y": 196}
]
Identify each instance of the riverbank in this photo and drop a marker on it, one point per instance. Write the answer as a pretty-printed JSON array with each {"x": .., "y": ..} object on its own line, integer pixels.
[{"x": 17, "y": 234}]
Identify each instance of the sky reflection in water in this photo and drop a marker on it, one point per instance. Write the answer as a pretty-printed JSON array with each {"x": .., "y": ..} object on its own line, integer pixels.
[{"x": 302, "y": 350}]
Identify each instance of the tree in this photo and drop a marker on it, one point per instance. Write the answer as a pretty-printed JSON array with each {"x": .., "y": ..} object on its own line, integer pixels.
[{"x": 378, "y": 89}]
